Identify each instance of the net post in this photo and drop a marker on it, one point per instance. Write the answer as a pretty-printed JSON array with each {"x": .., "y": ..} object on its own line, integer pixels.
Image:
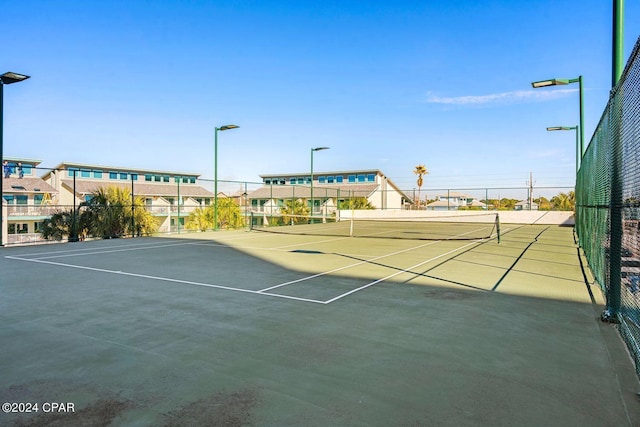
[
  {"x": 351, "y": 226},
  {"x": 498, "y": 227},
  {"x": 251, "y": 221}
]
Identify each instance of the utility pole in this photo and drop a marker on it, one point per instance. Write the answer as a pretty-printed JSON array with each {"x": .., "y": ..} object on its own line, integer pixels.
[{"x": 530, "y": 190}]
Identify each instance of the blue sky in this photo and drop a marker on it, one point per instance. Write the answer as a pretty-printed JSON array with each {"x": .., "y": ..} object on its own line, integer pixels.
[{"x": 386, "y": 85}]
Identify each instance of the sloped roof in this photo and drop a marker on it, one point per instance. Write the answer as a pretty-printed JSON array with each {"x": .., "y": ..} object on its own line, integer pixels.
[
  {"x": 141, "y": 189},
  {"x": 438, "y": 203},
  {"x": 456, "y": 194},
  {"x": 319, "y": 191},
  {"x": 68, "y": 165},
  {"x": 26, "y": 185}
]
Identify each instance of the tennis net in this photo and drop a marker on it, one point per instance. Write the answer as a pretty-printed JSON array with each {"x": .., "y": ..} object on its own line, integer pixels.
[{"x": 459, "y": 227}]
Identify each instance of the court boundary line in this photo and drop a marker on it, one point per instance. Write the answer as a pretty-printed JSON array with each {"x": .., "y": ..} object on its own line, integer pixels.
[
  {"x": 264, "y": 291},
  {"x": 166, "y": 279},
  {"x": 407, "y": 270}
]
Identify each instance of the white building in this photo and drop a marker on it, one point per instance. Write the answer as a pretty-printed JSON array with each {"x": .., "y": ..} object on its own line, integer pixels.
[
  {"x": 329, "y": 189},
  {"x": 453, "y": 200}
]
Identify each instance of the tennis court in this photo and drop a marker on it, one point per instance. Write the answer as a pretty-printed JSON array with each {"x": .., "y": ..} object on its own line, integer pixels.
[{"x": 251, "y": 328}]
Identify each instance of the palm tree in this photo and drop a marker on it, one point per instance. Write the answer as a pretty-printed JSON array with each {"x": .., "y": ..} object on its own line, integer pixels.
[
  {"x": 564, "y": 201},
  {"x": 59, "y": 226},
  {"x": 109, "y": 213},
  {"x": 356, "y": 203},
  {"x": 294, "y": 212},
  {"x": 200, "y": 219},
  {"x": 420, "y": 170},
  {"x": 229, "y": 213}
]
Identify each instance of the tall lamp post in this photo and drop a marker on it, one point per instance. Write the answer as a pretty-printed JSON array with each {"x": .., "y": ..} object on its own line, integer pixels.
[
  {"x": 5, "y": 79},
  {"x": 560, "y": 82},
  {"x": 576, "y": 128},
  {"x": 215, "y": 176},
  {"x": 313, "y": 150}
]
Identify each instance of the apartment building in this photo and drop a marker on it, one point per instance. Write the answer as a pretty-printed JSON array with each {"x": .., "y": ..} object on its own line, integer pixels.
[
  {"x": 27, "y": 201},
  {"x": 329, "y": 189},
  {"x": 170, "y": 196}
]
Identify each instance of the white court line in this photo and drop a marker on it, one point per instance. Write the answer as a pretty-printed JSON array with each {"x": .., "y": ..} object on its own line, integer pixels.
[
  {"x": 408, "y": 270},
  {"x": 90, "y": 250},
  {"x": 107, "y": 251},
  {"x": 369, "y": 260},
  {"x": 258, "y": 292},
  {"x": 346, "y": 266},
  {"x": 166, "y": 279}
]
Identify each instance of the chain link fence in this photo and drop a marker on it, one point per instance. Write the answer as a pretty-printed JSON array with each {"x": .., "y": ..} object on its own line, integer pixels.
[{"x": 608, "y": 205}]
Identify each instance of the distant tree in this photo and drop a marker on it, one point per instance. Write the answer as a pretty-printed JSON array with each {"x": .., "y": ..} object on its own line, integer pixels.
[
  {"x": 355, "y": 203},
  {"x": 59, "y": 226},
  {"x": 420, "y": 170},
  {"x": 200, "y": 219},
  {"x": 294, "y": 211},
  {"x": 507, "y": 204},
  {"x": 564, "y": 201},
  {"x": 543, "y": 204},
  {"x": 229, "y": 214}
]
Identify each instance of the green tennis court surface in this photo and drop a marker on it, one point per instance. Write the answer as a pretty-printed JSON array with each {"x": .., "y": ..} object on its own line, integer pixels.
[{"x": 249, "y": 328}]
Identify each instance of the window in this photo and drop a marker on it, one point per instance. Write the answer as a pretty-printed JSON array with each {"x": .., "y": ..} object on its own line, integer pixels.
[
  {"x": 292, "y": 180},
  {"x": 322, "y": 179},
  {"x": 27, "y": 169},
  {"x": 134, "y": 177},
  {"x": 124, "y": 175},
  {"x": 18, "y": 228},
  {"x": 113, "y": 175},
  {"x": 267, "y": 181},
  {"x": 339, "y": 179},
  {"x": 166, "y": 178},
  {"x": 371, "y": 178},
  {"x": 71, "y": 172},
  {"x": 84, "y": 173},
  {"x": 38, "y": 198},
  {"x": 360, "y": 178},
  {"x": 330, "y": 180},
  {"x": 9, "y": 198},
  {"x": 97, "y": 174},
  {"x": 157, "y": 178},
  {"x": 352, "y": 178},
  {"x": 300, "y": 180},
  {"x": 22, "y": 200},
  {"x": 185, "y": 180},
  {"x": 192, "y": 180},
  {"x": 148, "y": 178}
]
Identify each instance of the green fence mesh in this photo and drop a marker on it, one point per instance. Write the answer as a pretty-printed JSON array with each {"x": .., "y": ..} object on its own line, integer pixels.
[{"x": 608, "y": 204}]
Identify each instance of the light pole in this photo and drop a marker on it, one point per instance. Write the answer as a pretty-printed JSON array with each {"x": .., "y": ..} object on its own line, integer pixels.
[
  {"x": 215, "y": 176},
  {"x": 5, "y": 79},
  {"x": 576, "y": 128},
  {"x": 313, "y": 150},
  {"x": 560, "y": 82}
]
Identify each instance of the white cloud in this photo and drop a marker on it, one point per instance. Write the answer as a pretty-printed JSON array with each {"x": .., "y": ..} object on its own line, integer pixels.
[{"x": 519, "y": 96}]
